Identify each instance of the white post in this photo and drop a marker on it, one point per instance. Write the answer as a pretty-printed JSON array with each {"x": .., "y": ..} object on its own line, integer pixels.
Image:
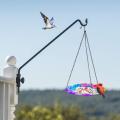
[{"x": 8, "y": 92}]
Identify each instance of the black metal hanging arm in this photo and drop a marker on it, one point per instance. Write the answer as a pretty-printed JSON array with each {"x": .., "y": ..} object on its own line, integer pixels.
[{"x": 18, "y": 77}]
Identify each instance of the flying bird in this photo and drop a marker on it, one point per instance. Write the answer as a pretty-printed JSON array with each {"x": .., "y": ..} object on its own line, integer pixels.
[{"x": 49, "y": 23}]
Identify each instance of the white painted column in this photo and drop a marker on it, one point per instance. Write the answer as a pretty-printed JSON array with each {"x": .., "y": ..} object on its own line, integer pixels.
[{"x": 8, "y": 91}]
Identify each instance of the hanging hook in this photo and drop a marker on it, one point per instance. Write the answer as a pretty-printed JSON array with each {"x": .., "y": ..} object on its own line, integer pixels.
[{"x": 81, "y": 23}]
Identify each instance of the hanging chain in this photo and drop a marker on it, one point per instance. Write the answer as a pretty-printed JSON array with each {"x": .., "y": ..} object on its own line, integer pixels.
[
  {"x": 87, "y": 58},
  {"x": 91, "y": 57},
  {"x": 75, "y": 60},
  {"x": 87, "y": 47}
]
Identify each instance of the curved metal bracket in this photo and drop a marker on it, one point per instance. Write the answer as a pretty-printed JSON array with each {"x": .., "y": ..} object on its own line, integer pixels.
[
  {"x": 18, "y": 77},
  {"x": 86, "y": 22}
]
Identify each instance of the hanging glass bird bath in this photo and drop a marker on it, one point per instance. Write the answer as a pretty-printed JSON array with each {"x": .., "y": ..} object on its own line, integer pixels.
[{"x": 85, "y": 89}]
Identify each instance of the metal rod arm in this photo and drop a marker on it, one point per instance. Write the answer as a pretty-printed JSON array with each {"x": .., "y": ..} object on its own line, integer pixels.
[
  {"x": 18, "y": 75},
  {"x": 53, "y": 41}
]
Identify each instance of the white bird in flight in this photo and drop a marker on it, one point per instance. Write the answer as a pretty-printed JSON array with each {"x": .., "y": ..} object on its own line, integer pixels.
[{"x": 48, "y": 23}]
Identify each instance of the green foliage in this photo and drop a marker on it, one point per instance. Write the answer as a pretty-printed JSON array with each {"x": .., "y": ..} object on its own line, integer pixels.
[
  {"x": 92, "y": 106},
  {"x": 114, "y": 116},
  {"x": 57, "y": 112}
]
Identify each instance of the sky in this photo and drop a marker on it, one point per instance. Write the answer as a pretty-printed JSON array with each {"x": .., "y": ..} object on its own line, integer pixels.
[{"x": 21, "y": 35}]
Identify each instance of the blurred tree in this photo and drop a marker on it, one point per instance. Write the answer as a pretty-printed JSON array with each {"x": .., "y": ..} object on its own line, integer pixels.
[{"x": 57, "y": 112}]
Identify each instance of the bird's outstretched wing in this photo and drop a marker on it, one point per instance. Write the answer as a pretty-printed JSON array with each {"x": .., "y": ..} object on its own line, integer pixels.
[
  {"x": 45, "y": 18},
  {"x": 52, "y": 21}
]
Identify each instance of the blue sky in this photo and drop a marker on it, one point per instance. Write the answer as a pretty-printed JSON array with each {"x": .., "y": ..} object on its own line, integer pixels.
[{"x": 21, "y": 35}]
